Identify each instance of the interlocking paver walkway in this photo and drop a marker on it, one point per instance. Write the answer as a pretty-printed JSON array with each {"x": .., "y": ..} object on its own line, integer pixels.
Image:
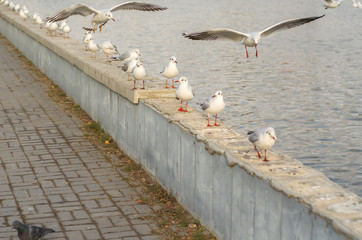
[{"x": 51, "y": 176}]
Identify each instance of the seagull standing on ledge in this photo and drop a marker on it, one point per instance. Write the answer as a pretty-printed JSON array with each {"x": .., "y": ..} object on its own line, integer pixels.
[
  {"x": 248, "y": 39},
  {"x": 214, "y": 106},
  {"x": 109, "y": 49},
  {"x": 184, "y": 92},
  {"x": 101, "y": 17},
  {"x": 128, "y": 66},
  {"x": 139, "y": 73},
  {"x": 262, "y": 139},
  {"x": 127, "y": 56},
  {"x": 170, "y": 71}
]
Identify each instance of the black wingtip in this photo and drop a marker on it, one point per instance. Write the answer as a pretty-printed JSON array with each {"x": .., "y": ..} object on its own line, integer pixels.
[{"x": 250, "y": 132}]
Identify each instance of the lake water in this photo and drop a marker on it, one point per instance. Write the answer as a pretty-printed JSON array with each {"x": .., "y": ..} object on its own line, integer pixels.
[{"x": 306, "y": 83}]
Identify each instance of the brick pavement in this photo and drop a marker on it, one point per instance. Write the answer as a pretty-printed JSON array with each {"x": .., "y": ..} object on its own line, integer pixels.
[{"x": 51, "y": 176}]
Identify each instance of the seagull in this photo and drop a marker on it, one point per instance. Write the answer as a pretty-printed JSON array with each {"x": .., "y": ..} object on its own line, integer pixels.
[
  {"x": 214, "y": 106},
  {"x": 184, "y": 92},
  {"x": 53, "y": 28},
  {"x": 248, "y": 39},
  {"x": 93, "y": 48},
  {"x": 23, "y": 15},
  {"x": 127, "y": 56},
  {"x": 128, "y": 66},
  {"x": 66, "y": 30},
  {"x": 357, "y": 4},
  {"x": 170, "y": 71},
  {"x": 40, "y": 21},
  {"x": 88, "y": 36},
  {"x": 332, "y": 4},
  {"x": 28, "y": 232},
  {"x": 101, "y": 17},
  {"x": 109, "y": 49},
  {"x": 35, "y": 16},
  {"x": 61, "y": 25},
  {"x": 139, "y": 73},
  {"x": 262, "y": 139}
]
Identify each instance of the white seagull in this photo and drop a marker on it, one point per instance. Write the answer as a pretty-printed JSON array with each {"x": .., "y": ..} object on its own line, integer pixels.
[
  {"x": 53, "y": 29},
  {"x": 128, "y": 66},
  {"x": 23, "y": 15},
  {"x": 39, "y": 21},
  {"x": 66, "y": 30},
  {"x": 184, "y": 92},
  {"x": 139, "y": 73},
  {"x": 88, "y": 36},
  {"x": 262, "y": 139},
  {"x": 127, "y": 56},
  {"x": 248, "y": 39},
  {"x": 213, "y": 105},
  {"x": 109, "y": 49},
  {"x": 93, "y": 48},
  {"x": 101, "y": 17},
  {"x": 357, "y": 4},
  {"x": 170, "y": 71},
  {"x": 332, "y": 4}
]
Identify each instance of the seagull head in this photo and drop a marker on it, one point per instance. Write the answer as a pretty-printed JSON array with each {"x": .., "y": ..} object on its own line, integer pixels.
[
  {"x": 256, "y": 39},
  {"x": 271, "y": 132},
  {"x": 139, "y": 64},
  {"x": 173, "y": 59},
  {"x": 217, "y": 94},
  {"x": 137, "y": 51},
  {"x": 182, "y": 80},
  {"x": 109, "y": 15}
]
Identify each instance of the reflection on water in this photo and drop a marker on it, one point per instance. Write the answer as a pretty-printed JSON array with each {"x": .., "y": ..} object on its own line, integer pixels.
[{"x": 306, "y": 82}]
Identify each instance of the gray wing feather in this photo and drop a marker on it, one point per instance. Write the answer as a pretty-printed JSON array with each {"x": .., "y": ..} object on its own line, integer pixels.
[
  {"x": 288, "y": 24},
  {"x": 125, "y": 66},
  {"x": 206, "y": 104},
  {"x": 216, "y": 34},
  {"x": 76, "y": 9},
  {"x": 140, "y": 6}
]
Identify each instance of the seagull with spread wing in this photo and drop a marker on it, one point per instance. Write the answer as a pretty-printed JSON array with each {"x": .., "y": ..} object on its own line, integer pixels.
[
  {"x": 248, "y": 39},
  {"x": 101, "y": 17}
]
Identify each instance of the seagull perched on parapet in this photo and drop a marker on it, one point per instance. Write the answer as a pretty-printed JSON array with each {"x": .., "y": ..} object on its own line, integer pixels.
[
  {"x": 101, "y": 17},
  {"x": 170, "y": 71},
  {"x": 28, "y": 232},
  {"x": 213, "y": 105},
  {"x": 248, "y": 39},
  {"x": 127, "y": 56},
  {"x": 128, "y": 66},
  {"x": 262, "y": 139},
  {"x": 184, "y": 92},
  {"x": 109, "y": 49}
]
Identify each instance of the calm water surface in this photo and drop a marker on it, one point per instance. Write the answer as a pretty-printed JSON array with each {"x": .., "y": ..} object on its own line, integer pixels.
[{"x": 306, "y": 83}]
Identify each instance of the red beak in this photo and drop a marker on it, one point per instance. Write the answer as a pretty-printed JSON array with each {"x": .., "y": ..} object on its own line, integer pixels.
[
  {"x": 113, "y": 19},
  {"x": 213, "y": 96},
  {"x": 175, "y": 61}
]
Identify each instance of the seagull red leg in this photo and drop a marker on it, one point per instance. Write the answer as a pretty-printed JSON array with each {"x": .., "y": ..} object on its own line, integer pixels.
[
  {"x": 173, "y": 83},
  {"x": 265, "y": 160},
  {"x": 166, "y": 84},
  {"x": 181, "y": 109},
  {"x": 134, "y": 85},
  {"x": 185, "y": 110},
  {"x": 143, "y": 88},
  {"x": 257, "y": 152},
  {"x": 208, "y": 121},
  {"x": 256, "y": 53},
  {"x": 216, "y": 120},
  {"x": 247, "y": 54}
]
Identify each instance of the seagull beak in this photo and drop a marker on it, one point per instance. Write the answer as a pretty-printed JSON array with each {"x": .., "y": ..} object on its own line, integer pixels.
[
  {"x": 177, "y": 81},
  {"x": 213, "y": 96},
  {"x": 274, "y": 138},
  {"x": 175, "y": 61},
  {"x": 113, "y": 19}
]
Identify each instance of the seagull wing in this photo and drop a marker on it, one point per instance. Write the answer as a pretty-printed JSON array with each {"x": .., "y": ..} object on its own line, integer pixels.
[
  {"x": 140, "y": 6},
  {"x": 76, "y": 9},
  {"x": 216, "y": 34},
  {"x": 205, "y": 105},
  {"x": 288, "y": 24},
  {"x": 329, "y": 1}
]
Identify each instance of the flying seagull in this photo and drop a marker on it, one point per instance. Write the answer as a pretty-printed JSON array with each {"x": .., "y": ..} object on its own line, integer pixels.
[
  {"x": 248, "y": 39},
  {"x": 101, "y": 17}
]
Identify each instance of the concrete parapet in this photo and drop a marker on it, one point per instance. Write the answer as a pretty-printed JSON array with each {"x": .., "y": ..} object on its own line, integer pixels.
[{"x": 214, "y": 172}]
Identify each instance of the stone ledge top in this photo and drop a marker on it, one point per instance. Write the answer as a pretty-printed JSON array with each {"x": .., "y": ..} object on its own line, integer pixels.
[{"x": 343, "y": 209}]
